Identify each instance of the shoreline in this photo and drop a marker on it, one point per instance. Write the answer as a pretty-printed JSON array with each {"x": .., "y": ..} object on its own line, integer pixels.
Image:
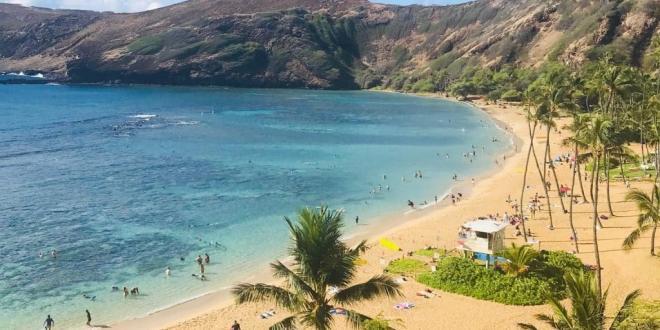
[{"x": 186, "y": 310}]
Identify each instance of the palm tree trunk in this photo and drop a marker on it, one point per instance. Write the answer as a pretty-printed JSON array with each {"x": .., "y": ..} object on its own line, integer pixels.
[
  {"x": 623, "y": 174},
  {"x": 545, "y": 187},
  {"x": 591, "y": 186},
  {"x": 607, "y": 179},
  {"x": 655, "y": 228},
  {"x": 554, "y": 174},
  {"x": 532, "y": 132},
  {"x": 570, "y": 212},
  {"x": 577, "y": 164},
  {"x": 595, "y": 230}
]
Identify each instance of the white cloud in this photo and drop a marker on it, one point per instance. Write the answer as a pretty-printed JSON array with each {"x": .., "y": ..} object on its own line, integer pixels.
[{"x": 99, "y": 5}]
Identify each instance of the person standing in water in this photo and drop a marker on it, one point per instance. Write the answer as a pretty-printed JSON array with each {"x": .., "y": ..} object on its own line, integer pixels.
[
  {"x": 207, "y": 259},
  {"x": 168, "y": 271},
  {"x": 357, "y": 219},
  {"x": 49, "y": 323},
  {"x": 89, "y": 317}
]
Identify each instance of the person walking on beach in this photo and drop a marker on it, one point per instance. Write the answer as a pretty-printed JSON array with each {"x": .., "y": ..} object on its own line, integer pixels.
[
  {"x": 49, "y": 323},
  {"x": 89, "y": 317},
  {"x": 235, "y": 326}
]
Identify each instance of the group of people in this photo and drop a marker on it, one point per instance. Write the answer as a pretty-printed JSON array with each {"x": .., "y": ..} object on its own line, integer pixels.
[
  {"x": 53, "y": 254},
  {"x": 49, "y": 323}
]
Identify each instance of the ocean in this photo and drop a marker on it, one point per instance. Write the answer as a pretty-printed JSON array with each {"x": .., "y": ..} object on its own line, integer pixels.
[{"x": 124, "y": 181}]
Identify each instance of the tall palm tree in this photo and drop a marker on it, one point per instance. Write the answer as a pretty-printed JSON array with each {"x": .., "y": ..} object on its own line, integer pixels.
[
  {"x": 587, "y": 306},
  {"x": 531, "y": 118},
  {"x": 321, "y": 261},
  {"x": 578, "y": 127},
  {"x": 649, "y": 215},
  {"x": 596, "y": 134},
  {"x": 552, "y": 93}
]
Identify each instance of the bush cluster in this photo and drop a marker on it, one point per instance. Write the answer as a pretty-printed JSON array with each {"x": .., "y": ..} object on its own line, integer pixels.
[{"x": 462, "y": 276}]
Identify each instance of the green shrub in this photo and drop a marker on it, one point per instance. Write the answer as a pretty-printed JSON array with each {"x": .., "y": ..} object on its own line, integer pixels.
[
  {"x": 423, "y": 86},
  {"x": 146, "y": 45},
  {"x": 376, "y": 324},
  {"x": 512, "y": 96},
  {"x": 645, "y": 315},
  {"x": 407, "y": 266},
  {"x": 430, "y": 252},
  {"x": 462, "y": 276}
]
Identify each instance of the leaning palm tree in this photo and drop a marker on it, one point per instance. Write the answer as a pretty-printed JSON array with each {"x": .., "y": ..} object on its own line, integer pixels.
[
  {"x": 518, "y": 259},
  {"x": 587, "y": 306},
  {"x": 321, "y": 263},
  {"x": 649, "y": 216}
]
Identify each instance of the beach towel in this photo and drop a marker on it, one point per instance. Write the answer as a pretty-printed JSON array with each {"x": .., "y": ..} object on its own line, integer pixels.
[
  {"x": 338, "y": 311},
  {"x": 267, "y": 314},
  {"x": 386, "y": 243},
  {"x": 404, "y": 305}
]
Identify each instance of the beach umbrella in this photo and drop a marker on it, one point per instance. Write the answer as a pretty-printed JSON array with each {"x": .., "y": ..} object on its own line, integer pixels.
[{"x": 386, "y": 243}]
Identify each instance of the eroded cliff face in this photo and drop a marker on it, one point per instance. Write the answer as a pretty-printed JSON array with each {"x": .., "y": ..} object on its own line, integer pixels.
[{"x": 316, "y": 44}]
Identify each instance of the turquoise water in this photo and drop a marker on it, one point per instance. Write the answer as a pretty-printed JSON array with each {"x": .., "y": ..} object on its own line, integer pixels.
[{"x": 124, "y": 181}]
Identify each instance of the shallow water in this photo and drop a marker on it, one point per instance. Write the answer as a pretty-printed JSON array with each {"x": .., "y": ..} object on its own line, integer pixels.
[{"x": 124, "y": 181}]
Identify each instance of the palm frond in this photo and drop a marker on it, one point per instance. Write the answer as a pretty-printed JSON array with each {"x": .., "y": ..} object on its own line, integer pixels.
[
  {"x": 355, "y": 319},
  {"x": 632, "y": 238},
  {"x": 292, "y": 279},
  {"x": 288, "y": 323},
  {"x": 526, "y": 326},
  {"x": 248, "y": 293},
  {"x": 375, "y": 286},
  {"x": 625, "y": 310}
]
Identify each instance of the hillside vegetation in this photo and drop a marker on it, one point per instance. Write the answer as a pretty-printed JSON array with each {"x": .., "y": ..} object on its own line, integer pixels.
[{"x": 323, "y": 44}]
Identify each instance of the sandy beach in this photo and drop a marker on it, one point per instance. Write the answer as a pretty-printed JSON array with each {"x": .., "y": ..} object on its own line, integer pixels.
[{"x": 437, "y": 226}]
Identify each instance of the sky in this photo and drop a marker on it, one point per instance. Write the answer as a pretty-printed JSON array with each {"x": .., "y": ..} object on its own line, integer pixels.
[{"x": 141, "y": 5}]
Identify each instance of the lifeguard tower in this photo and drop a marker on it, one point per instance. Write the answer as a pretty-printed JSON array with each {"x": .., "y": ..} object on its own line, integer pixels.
[{"x": 483, "y": 238}]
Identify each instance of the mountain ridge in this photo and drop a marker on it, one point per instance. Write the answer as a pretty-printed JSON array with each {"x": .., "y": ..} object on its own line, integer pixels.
[{"x": 318, "y": 44}]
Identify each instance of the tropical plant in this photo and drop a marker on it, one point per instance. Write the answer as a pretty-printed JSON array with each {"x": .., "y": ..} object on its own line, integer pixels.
[
  {"x": 649, "y": 215},
  {"x": 321, "y": 263},
  {"x": 587, "y": 306},
  {"x": 596, "y": 134},
  {"x": 518, "y": 259}
]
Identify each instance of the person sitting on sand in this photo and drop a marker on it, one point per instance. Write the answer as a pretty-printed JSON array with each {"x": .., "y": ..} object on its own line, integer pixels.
[{"x": 235, "y": 326}]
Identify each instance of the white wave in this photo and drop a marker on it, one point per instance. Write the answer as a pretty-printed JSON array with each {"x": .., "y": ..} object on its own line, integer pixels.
[
  {"x": 144, "y": 116},
  {"x": 183, "y": 122}
]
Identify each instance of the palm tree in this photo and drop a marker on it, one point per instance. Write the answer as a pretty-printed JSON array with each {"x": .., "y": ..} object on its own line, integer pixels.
[
  {"x": 649, "y": 215},
  {"x": 321, "y": 261},
  {"x": 531, "y": 118},
  {"x": 587, "y": 306},
  {"x": 596, "y": 134},
  {"x": 518, "y": 258},
  {"x": 578, "y": 127}
]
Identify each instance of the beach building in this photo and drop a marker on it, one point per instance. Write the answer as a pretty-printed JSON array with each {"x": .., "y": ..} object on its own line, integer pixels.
[{"x": 483, "y": 238}]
